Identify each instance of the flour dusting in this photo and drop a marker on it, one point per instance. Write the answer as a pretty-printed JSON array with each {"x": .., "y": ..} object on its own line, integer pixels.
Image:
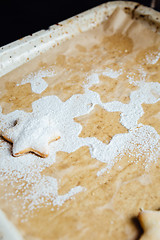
[
  {"x": 109, "y": 72},
  {"x": 153, "y": 58},
  {"x": 38, "y": 84},
  {"x": 141, "y": 140}
]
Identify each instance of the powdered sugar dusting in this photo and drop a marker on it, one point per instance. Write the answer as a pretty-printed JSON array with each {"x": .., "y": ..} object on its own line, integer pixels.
[
  {"x": 37, "y": 189},
  {"x": 32, "y": 133},
  {"x": 109, "y": 72},
  {"x": 148, "y": 93},
  {"x": 141, "y": 140},
  {"x": 38, "y": 84},
  {"x": 153, "y": 58}
]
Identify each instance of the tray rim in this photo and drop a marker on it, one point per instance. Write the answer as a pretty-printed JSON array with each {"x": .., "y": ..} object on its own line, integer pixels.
[{"x": 23, "y": 50}]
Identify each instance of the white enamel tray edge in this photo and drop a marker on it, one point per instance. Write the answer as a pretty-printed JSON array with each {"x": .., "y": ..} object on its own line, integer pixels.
[{"x": 21, "y": 51}]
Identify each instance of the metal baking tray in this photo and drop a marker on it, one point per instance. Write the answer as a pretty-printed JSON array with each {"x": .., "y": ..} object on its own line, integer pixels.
[{"x": 21, "y": 51}]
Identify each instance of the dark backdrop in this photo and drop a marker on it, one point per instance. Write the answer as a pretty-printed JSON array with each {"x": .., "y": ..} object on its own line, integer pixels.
[{"x": 21, "y": 18}]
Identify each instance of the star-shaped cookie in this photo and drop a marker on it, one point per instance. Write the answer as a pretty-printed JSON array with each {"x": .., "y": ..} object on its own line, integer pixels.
[
  {"x": 150, "y": 222},
  {"x": 32, "y": 134}
]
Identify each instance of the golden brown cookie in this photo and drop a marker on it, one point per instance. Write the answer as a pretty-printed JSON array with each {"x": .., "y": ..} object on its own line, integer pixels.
[{"x": 150, "y": 222}]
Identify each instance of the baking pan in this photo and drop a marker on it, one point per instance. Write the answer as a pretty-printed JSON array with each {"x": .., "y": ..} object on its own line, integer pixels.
[
  {"x": 17, "y": 53},
  {"x": 24, "y": 50}
]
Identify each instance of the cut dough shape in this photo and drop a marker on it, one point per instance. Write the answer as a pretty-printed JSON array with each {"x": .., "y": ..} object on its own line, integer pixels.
[
  {"x": 32, "y": 134},
  {"x": 151, "y": 115},
  {"x": 150, "y": 222},
  {"x": 101, "y": 124}
]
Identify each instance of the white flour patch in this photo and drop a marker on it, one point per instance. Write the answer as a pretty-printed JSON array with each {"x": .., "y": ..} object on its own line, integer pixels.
[
  {"x": 41, "y": 189},
  {"x": 144, "y": 139},
  {"x": 109, "y": 72},
  {"x": 38, "y": 84},
  {"x": 152, "y": 58},
  {"x": 26, "y": 172},
  {"x": 148, "y": 93}
]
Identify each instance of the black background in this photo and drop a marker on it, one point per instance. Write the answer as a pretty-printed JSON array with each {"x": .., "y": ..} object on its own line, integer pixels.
[{"x": 22, "y": 18}]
